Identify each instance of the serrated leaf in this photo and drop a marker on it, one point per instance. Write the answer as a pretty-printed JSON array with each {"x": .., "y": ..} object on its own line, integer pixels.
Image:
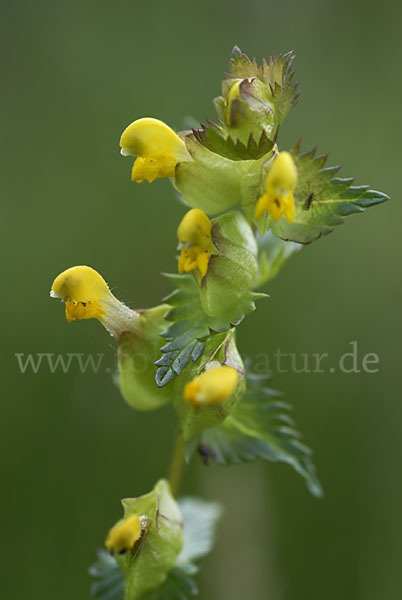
[
  {"x": 179, "y": 585},
  {"x": 259, "y": 427},
  {"x": 200, "y": 518},
  {"x": 188, "y": 330},
  {"x": 109, "y": 579},
  {"x": 241, "y": 66},
  {"x": 191, "y": 327},
  {"x": 215, "y": 139},
  {"x": 322, "y": 200},
  {"x": 277, "y": 75},
  {"x": 273, "y": 254}
]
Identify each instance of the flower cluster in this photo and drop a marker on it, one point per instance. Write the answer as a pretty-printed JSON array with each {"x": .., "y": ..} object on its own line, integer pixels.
[{"x": 250, "y": 205}]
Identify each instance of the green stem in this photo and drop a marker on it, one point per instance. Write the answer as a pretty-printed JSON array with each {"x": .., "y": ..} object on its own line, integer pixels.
[{"x": 176, "y": 466}]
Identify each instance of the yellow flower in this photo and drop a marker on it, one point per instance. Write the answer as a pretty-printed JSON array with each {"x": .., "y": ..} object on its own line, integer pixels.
[
  {"x": 124, "y": 534},
  {"x": 87, "y": 296},
  {"x": 157, "y": 146},
  {"x": 194, "y": 233},
  {"x": 280, "y": 185},
  {"x": 213, "y": 386}
]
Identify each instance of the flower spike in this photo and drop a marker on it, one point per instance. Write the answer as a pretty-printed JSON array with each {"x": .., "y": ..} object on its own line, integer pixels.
[
  {"x": 213, "y": 386},
  {"x": 124, "y": 534},
  {"x": 280, "y": 185},
  {"x": 194, "y": 233},
  {"x": 87, "y": 296},
  {"x": 157, "y": 147}
]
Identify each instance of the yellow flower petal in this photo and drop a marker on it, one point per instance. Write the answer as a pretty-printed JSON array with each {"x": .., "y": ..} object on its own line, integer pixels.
[
  {"x": 124, "y": 534},
  {"x": 280, "y": 185},
  {"x": 83, "y": 310},
  {"x": 211, "y": 387},
  {"x": 80, "y": 284},
  {"x": 157, "y": 146},
  {"x": 194, "y": 234}
]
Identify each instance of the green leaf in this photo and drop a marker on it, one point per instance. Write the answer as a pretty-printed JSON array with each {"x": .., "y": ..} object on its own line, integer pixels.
[
  {"x": 188, "y": 330},
  {"x": 109, "y": 579},
  {"x": 273, "y": 254},
  {"x": 200, "y": 518},
  {"x": 278, "y": 75},
  {"x": 242, "y": 67},
  {"x": 322, "y": 200},
  {"x": 259, "y": 427},
  {"x": 179, "y": 585}
]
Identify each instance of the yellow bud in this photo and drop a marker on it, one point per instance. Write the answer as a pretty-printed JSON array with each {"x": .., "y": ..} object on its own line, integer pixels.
[
  {"x": 124, "y": 534},
  {"x": 233, "y": 94},
  {"x": 87, "y": 296},
  {"x": 157, "y": 146},
  {"x": 280, "y": 185},
  {"x": 211, "y": 387},
  {"x": 194, "y": 234}
]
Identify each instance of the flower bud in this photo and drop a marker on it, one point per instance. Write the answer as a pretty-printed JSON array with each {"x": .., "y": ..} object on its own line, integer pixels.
[
  {"x": 213, "y": 386},
  {"x": 124, "y": 534},
  {"x": 212, "y": 391},
  {"x": 148, "y": 561},
  {"x": 247, "y": 109}
]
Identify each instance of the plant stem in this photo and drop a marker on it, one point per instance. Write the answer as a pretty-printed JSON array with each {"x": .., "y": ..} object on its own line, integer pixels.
[{"x": 176, "y": 466}]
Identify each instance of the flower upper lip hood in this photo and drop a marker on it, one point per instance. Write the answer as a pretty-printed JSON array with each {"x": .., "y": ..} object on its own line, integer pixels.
[
  {"x": 80, "y": 284},
  {"x": 157, "y": 147}
]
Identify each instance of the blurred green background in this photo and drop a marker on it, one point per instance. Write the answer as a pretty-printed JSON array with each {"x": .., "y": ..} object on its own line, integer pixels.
[{"x": 74, "y": 75}]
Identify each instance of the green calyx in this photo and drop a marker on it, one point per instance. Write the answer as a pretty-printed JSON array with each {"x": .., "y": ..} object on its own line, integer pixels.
[
  {"x": 225, "y": 291},
  {"x": 155, "y": 553},
  {"x": 194, "y": 419},
  {"x": 137, "y": 353}
]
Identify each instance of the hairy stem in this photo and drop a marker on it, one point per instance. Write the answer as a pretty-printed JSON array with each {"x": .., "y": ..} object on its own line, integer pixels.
[{"x": 176, "y": 466}]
